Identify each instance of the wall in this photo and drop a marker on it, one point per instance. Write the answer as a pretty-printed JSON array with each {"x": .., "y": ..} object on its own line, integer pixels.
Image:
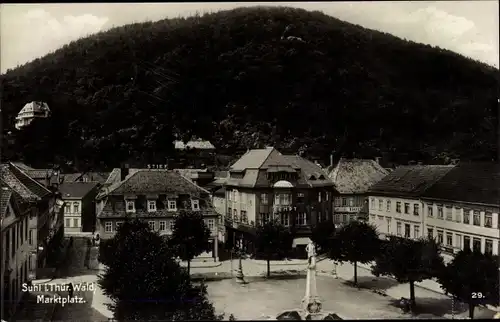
[
  {"x": 344, "y": 213},
  {"x": 88, "y": 217},
  {"x": 72, "y": 218}
]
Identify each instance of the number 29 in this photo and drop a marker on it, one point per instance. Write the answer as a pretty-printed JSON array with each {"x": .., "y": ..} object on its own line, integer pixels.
[{"x": 477, "y": 295}]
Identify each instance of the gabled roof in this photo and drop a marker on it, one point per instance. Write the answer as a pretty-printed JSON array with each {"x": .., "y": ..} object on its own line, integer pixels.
[
  {"x": 253, "y": 159},
  {"x": 93, "y": 176},
  {"x": 352, "y": 176},
  {"x": 71, "y": 177},
  {"x": 38, "y": 173},
  {"x": 35, "y": 106},
  {"x": 156, "y": 181},
  {"x": 8, "y": 195},
  {"x": 477, "y": 182},
  {"x": 20, "y": 182},
  {"x": 410, "y": 181},
  {"x": 194, "y": 144},
  {"x": 22, "y": 166},
  {"x": 76, "y": 190}
]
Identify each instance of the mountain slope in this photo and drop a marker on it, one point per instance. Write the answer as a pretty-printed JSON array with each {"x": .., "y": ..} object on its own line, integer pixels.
[{"x": 231, "y": 78}]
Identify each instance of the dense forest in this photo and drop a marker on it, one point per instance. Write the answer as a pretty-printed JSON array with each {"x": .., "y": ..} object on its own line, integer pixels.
[{"x": 301, "y": 81}]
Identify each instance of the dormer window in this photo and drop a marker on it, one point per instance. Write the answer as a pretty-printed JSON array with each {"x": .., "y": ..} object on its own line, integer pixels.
[
  {"x": 151, "y": 205},
  {"x": 172, "y": 205},
  {"x": 130, "y": 205},
  {"x": 195, "y": 204}
]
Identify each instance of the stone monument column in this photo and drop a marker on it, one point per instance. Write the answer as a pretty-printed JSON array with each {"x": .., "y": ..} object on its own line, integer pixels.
[{"x": 311, "y": 303}]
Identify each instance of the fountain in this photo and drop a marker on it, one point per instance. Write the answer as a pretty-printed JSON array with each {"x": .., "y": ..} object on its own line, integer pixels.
[{"x": 311, "y": 303}]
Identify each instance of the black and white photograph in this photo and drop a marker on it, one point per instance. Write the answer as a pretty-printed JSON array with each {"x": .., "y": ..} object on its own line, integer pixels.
[{"x": 249, "y": 161}]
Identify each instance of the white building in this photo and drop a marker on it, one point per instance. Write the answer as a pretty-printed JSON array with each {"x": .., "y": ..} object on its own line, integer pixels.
[
  {"x": 461, "y": 209},
  {"x": 30, "y": 112},
  {"x": 395, "y": 206}
]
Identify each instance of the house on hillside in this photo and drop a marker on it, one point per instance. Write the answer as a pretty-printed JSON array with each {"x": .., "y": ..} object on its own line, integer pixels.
[
  {"x": 200, "y": 177},
  {"x": 462, "y": 209},
  {"x": 395, "y": 204},
  {"x": 265, "y": 184},
  {"x": 155, "y": 196},
  {"x": 352, "y": 179},
  {"x": 90, "y": 176},
  {"x": 16, "y": 242},
  {"x": 30, "y": 112},
  {"x": 79, "y": 206},
  {"x": 197, "y": 144}
]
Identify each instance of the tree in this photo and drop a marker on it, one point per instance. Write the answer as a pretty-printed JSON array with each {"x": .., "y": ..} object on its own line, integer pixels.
[
  {"x": 356, "y": 242},
  {"x": 472, "y": 277},
  {"x": 409, "y": 261},
  {"x": 190, "y": 236},
  {"x": 273, "y": 241},
  {"x": 145, "y": 282},
  {"x": 322, "y": 234}
]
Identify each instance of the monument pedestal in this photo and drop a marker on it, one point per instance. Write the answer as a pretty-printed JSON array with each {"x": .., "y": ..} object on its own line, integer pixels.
[{"x": 240, "y": 278}]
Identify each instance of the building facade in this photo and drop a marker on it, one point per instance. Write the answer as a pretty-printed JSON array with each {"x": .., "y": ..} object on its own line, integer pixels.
[
  {"x": 461, "y": 209},
  {"x": 395, "y": 205},
  {"x": 15, "y": 250},
  {"x": 352, "y": 179},
  {"x": 30, "y": 112},
  {"x": 155, "y": 196},
  {"x": 265, "y": 184},
  {"x": 79, "y": 206}
]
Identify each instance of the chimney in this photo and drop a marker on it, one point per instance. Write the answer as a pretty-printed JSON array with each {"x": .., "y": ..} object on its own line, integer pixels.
[
  {"x": 331, "y": 160},
  {"x": 124, "y": 170},
  {"x": 377, "y": 159}
]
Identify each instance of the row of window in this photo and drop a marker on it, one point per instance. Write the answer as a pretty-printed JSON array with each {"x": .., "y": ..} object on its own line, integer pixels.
[
  {"x": 349, "y": 202},
  {"x": 171, "y": 205},
  {"x": 399, "y": 204},
  {"x": 342, "y": 218},
  {"x": 68, "y": 209},
  {"x": 16, "y": 235},
  {"x": 279, "y": 198},
  {"x": 461, "y": 241},
  {"x": 462, "y": 215},
  {"x": 162, "y": 225},
  {"x": 74, "y": 221}
]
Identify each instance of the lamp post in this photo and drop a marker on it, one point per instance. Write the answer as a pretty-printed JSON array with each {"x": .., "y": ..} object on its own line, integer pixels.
[{"x": 240, "y": 277}]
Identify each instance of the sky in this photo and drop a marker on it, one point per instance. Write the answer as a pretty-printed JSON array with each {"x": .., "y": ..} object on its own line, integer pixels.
[{"x": 29, "y": 31}]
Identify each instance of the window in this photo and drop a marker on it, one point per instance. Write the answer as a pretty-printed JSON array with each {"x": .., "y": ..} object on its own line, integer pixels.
[
  {"x": 263, "y": 199},
  {"x": 211, "y": 224},
  {"x": 429, "y": 211},
  {"x": 68, "y": 223},
  {"x": 337, "y": 202},
  {"x": 285, "y": 220},
  {"x": 488, "y": 246},
  {"x": 476, "y": 219},
  {"x": 67, "y": 208},
  {"x": 388, "y": 219},
  {"x": 476, "y": 244},
  {"x": 118, "y": 225},
  {"x": 235, "y": 195},
  {"x": 344, "y": 202},
  {"x": 458, "y": 215},
  {"x": 130, "y": 206},
  {"x": 337, "y": 218},
  {"x": 195, "y": 204},
  {"x": 380, "y": 202},
  {"x": 326, "y": 195},
  {"x": 345, "y": 218},
  {"x": 76, "y": 207},
  {"x": 264, "y": 217},
  {"x": 244, "y": 217},
  {"x": 416, "y": 231},
  {"x": 449, "y": 213},
  {"x": 458, "y": 241},
  {"x": 151, "y": 205},
  {"x": 108, "y": 227},
  {"x": 235, "y": 215},
  {"x": 229, "y": 195},
  {"x": 398, "y": 228},
  {"x": 229, "y": 211},
  {"x": 488, "y": 220},
  {"x": 440, "y": 236},
  {"x": 300, "y": 220},
  {"x": 171, "y": 225},
  {"x": 372, "y": 203},
  {"x": 319, "y": 196},
  {"x": 407, "y": 230},
  {"x": 30, "y": 237},
  {"x": 380, "y": 218},
  {"x": 282, "y": 199},
  {"x": 466, "y": 242},
  {"x": 351, "y": 202},
  {"x": 466, "y": 216},
  {"x": 407, "y": 208},
  {"x": 440, "y": 212},
  {"x": 163, "y": 225},
  {"x": 449, "y": 239},
  {"x": 151, "y": 225},
  {"x": 416, "y": 209},
  {"x": 388, "y": 204},
  {"x": 398, "y": 207},
  {"x": 76, "y": 224},
  {"x": 172, "y": 205}
]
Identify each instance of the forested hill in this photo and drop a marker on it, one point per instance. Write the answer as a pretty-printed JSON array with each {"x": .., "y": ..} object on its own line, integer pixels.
[{"x": 298, "y": 80}]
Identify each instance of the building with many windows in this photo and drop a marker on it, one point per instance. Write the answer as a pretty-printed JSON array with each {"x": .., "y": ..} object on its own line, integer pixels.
[
  {"x": 79, "y": 206},
  {"x": 395, "y": 205},
  {"x": 265, "y": 184},
  {"x": 155, "y": 196},
  {"x": 352, "y": 179},
  {"x": 30, "y": 112},
  {"x": 461, "y": 210}
]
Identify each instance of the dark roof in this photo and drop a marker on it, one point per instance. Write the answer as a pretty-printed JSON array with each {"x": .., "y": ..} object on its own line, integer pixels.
[
  {"x": 220, "y": 192},
  {"x": 410, "y": 181},
  {"x": 38, "y": 173},
  {"x": 76, "y": 189},
  {"x": 4, "y": 199},
  {"x": 220, "y": 174},
  {"x": 22, "y": 166},
  {"x": 352, "y": 176},
  {"x": 20, "y": 182},
  {"x": 477, "y": 182},
  {"x": 156, "y": 181}
]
